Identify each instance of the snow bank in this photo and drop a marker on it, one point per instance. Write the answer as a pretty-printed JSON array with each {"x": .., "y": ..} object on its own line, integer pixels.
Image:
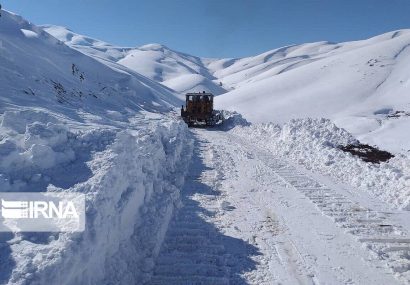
[
  {"x": 30, "y": 147},
  {"x": 232, "y": 119},
  {"x": 313, "y": 144},
  {"x": 73, "y": 123},
  {"x": 131, "y": 179}
]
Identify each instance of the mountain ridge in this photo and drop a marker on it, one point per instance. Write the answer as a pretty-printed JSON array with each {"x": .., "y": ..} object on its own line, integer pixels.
[{"x": 340, "y": 81}]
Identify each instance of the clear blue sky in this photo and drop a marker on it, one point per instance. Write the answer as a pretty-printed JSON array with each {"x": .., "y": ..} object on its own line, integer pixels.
[{"x": 219, "y": 28}]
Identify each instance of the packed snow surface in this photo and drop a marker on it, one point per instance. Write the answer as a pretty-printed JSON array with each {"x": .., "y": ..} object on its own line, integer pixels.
[{"x": 253, "y": 214}]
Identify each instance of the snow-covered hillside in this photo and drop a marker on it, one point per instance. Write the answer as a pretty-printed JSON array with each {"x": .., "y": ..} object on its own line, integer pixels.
[
  {"x": 362, "y": 86},
  {"x": 181, "y": 72},
  {"x": 38, "y": 69}
]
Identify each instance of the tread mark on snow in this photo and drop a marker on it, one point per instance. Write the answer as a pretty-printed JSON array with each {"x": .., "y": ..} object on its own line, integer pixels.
[{"x": 368, "y": 225}]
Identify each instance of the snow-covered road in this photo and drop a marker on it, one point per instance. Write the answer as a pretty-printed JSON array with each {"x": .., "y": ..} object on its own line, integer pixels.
[{"x": 251, "y": 218}]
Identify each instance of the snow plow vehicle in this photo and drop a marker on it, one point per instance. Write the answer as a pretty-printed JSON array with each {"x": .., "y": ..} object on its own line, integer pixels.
[{"x": 199, "y": 110}]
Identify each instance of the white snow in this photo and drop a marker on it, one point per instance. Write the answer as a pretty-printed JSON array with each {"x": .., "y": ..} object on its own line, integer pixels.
[
  {"x": 179, "y": 71},
  {"x": 348, "y": 83},
  {"x": 250, "y": 216},
  {"x": 127, "y": 177},
  {"x": 70, "y": 123},
  {"x": 313, "y": 144},
  {"x": 29, "y": 34},
  {"x": 270, "y": 202}
]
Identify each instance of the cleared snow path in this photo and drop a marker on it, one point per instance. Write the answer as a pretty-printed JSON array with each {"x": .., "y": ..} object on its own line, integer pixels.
[
  {"x": 194, "y": 250},
  {"x": 249, "y": 218}
]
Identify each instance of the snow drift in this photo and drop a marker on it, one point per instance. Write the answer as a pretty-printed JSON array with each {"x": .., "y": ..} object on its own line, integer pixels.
[
  {"x": 131, "y": 180},
  {"x": 314, "y": 143}
]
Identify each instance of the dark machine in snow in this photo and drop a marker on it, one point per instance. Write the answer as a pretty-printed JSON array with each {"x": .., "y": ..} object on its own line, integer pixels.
[{"x": 199, "y": 110}]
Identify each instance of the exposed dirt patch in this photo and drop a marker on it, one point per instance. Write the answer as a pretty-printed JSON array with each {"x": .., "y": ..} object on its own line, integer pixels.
[
  {"x": 399, "y": 114},
  {"x": 367, "y": 153}
]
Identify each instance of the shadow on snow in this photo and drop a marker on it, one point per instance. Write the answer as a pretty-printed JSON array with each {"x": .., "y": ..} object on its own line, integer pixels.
[{"x": 236, "y": 253}]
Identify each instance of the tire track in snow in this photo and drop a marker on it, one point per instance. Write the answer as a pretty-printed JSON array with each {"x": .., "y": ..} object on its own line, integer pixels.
[
  {"x": 281, "y": 263},
  {"x": 300, "y": 263},
  {"x": 389, "y": 241},
  {"x": 242, "y": 223}
]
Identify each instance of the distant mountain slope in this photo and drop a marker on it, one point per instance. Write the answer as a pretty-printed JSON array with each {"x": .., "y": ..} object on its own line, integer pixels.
[
  {"x": 38, "y": 70},
  {"x": 360, "y": 85},
  {"x": 179, "y": 71},
  {"x": 86, "y": 44}
]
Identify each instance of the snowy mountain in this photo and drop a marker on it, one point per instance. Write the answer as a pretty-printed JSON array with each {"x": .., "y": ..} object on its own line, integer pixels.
[
  {"x": 361, "y": 85},
  {"x": 181, "y": 72},
  {"x": 37, "y": 69}
]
